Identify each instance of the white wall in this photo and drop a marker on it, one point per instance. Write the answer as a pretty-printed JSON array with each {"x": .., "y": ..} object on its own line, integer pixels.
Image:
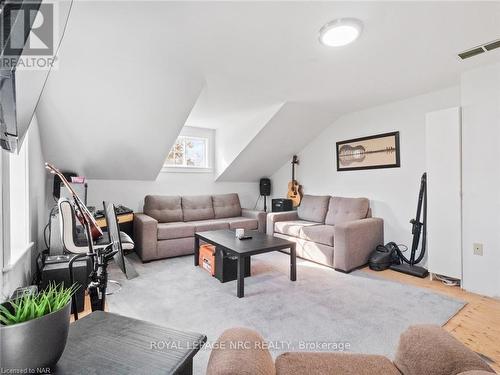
[
  {"x": 131, "y": 193},
  {"x": 237, "y": 135},
  {"x": 480, "y": 90},
  {"x": 392, "y": 192}
]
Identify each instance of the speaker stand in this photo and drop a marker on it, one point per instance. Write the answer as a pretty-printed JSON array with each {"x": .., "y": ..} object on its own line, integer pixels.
[{"x": 265, "y": 203}]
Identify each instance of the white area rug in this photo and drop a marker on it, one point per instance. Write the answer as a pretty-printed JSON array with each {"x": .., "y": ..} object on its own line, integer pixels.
[{"x": 323, "y": 307}]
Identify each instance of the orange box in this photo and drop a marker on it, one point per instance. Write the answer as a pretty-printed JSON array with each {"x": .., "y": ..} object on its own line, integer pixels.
[{"x": 207, "y": 258}]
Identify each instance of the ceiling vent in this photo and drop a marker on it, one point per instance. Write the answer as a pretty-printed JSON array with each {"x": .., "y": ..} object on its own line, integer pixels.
[{"x": 479, "y": 49}]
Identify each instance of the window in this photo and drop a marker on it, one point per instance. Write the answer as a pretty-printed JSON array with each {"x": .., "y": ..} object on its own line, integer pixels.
[
  {"x": 15, "y": 205},
  {"x": 189, "y": 152}
]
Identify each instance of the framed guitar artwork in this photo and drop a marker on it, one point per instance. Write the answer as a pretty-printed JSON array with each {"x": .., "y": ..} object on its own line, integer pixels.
[{"x": 372, "y": 152}]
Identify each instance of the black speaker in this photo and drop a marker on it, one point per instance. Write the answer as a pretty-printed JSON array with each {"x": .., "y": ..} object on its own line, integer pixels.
[
  {"x": 265, "y": 187},
  {"x": 280, "y": 205},
  {"x": 56, "y": 270},
  {"x": 56, "y": 190}
]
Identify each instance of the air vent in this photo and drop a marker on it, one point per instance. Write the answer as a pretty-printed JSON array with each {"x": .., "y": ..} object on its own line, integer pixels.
[
  {"x": 479, "y": 49},
  {"x": 492, "y": 45},
  {"x": 470, "y": 53}
]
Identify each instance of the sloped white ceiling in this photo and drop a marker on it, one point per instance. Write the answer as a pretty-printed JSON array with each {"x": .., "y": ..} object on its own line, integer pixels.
[
  {"x": 292, "y": 127},
  {"x": 130, "y": 72},
  {"x": 121, "y": 94}
]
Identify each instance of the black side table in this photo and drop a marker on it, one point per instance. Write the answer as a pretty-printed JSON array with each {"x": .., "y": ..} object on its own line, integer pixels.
[{"x": 106, "y": 343}]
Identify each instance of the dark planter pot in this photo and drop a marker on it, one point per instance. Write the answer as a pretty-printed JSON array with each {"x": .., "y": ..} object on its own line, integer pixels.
[{"x": 37, "y": 343}]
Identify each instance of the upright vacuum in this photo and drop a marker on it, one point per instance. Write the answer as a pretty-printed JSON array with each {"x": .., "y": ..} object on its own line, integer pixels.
[{"x": 419, "y": 229}]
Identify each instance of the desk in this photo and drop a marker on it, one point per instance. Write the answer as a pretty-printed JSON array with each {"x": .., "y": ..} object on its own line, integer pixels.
[
  {"x": 123, "y": 218},
  {"x": 125, "y": 221},
  {"x": 106, "y": 343}
]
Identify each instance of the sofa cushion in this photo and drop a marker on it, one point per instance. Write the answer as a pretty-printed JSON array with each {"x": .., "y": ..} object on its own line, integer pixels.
[
  {"x": 313, "y": 208},
  {"x": 197, "y": 207},
  {"x": 318, "y": 233},
  {"x": 341, "y": 210},
  {"x": 164, "y": 209},
  {"x": 213, "y": 224},
  {"x": 243, "y": 222},
  {"x": 307, "y": 363},
  {"x": 226, "y": 205},
  {"x": 293, "y": 227},
  {"x": 429, "y": 349},
  {"x": 168, "y": 231},
  {"x": 230, "y": 357}
]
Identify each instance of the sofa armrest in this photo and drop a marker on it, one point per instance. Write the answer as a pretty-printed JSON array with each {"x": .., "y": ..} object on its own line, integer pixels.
[
  {"x": 430, "y": 350},
  {"x": 354, "y": 241},
  {"x": 274, "y": 217},
  {"x": 260, "y": 216},
  {"x": 145, "y": 236},
  {"x": 240, "y": 351}
]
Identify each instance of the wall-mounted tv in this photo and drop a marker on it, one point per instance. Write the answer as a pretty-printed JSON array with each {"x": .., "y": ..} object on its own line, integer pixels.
[{"x": 30, "y": 35}]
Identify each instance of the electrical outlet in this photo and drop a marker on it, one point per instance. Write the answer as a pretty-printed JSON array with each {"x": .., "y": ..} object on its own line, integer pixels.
[{"x": 478, "y": 249}]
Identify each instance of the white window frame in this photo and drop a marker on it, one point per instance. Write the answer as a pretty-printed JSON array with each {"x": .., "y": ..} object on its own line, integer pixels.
[
  {"x": 10, "y": 255},
  {"x": 206, "y": 135}
]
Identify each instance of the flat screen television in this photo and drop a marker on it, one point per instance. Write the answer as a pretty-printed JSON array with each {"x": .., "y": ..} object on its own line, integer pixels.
[{"x": 30, "y": 35}]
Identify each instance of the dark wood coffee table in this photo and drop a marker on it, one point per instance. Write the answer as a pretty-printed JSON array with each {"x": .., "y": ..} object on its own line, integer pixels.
[
  {"x": 106, "y": 343},
  {"x": 259, "y": 243}
]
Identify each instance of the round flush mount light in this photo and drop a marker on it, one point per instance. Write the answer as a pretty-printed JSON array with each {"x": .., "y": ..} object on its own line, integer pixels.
[{"x": 340, "y": 32}]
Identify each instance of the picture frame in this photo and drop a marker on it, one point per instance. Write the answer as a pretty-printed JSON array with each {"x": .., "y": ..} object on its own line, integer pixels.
[{"x": 371, "y": 152}]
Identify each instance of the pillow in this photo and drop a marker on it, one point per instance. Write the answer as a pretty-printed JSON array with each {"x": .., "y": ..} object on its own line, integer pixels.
[
  {"x": 313, "y": 208},
  {"x": 341, "y": 210},
  {"x": 165, "y": 209},
  {"x": 226, "y": 205},
  {"x": 197, "y": 207}
]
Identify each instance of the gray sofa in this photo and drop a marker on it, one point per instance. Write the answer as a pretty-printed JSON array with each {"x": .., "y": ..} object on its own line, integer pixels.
[
  {"x": 334, "y": 231},
  {"x": 166, "y": 227},
  {"x": 422, "y": 350}
]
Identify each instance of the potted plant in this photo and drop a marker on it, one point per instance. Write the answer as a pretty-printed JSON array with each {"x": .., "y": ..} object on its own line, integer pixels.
[{"x": 34, "y": 328}]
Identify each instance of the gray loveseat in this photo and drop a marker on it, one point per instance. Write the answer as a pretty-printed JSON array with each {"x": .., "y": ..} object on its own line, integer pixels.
[
  {"x": 167, "y": 226},
  {"x": 334, "y": 231}
]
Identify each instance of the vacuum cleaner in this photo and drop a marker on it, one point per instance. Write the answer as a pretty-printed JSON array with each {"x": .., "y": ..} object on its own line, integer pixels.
[{"x": 390, "y": 255}]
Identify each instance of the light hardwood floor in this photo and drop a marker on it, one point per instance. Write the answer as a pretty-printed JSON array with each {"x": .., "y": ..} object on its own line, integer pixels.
[{"x": 477, "y": 325}]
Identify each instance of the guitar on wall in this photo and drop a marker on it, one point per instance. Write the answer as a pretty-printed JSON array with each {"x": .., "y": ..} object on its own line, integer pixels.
[
  {"x": 83, "y": 214},
  {"x": 294, "y": 189}
]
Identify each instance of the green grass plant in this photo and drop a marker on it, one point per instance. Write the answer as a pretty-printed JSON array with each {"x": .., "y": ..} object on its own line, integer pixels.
[{"x": 35, "y": 305}]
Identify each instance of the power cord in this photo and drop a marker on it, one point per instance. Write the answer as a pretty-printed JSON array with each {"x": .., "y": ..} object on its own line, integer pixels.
[
  {"x": 448, "y": 281},
  {"x": 257, "y": 202}
]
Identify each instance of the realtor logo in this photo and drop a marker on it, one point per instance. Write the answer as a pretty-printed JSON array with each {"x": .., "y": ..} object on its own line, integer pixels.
[{"x": 27, "y": 28}]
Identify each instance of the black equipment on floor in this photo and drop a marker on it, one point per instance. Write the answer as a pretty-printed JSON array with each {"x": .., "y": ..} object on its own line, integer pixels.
[
  {"x": 265, "y": 190},
  {"x": 55, "y": 270},
  {"x": 226, "y": 266},
  {"x": 282, "y": 204},
  {"x": 384, "y": 257},
  {"x": 419, "y": 229},
  {"x": 391, "y": 256}
]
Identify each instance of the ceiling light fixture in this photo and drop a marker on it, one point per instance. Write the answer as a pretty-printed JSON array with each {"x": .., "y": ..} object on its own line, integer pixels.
[{"x": 340, "y": 32}]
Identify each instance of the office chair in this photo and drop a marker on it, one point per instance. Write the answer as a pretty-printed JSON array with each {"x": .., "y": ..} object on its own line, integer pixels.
[
  {"x": 74, "y": 239},
  {"x": 73, "y": 236}
]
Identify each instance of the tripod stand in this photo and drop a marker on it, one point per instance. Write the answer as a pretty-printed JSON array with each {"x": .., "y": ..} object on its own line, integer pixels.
[{"x": 409, "y": 266}]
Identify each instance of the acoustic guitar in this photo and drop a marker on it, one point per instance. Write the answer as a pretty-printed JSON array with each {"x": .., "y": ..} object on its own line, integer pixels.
[
  {"x": 83, "y": 214},
  {"x": 294, "y": 189}
]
